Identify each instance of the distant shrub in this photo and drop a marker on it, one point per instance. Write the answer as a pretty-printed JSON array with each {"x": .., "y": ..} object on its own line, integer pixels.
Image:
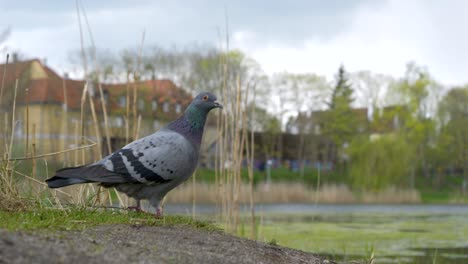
[{"x": 377, "y": 164}]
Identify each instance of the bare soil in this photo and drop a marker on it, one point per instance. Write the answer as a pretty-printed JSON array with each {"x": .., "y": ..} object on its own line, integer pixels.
[{"x": 142, "y": 244}]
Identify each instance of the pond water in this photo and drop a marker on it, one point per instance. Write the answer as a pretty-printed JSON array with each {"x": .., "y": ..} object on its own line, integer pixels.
[{"x": 390, "y": 233}]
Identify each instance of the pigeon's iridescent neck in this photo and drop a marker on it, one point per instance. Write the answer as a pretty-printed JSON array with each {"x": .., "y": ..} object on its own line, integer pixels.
[{"x": 190, "y": 125}]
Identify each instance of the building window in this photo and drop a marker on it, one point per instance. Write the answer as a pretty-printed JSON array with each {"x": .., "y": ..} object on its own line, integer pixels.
[
  {"x": 154, "y": 105},
  {"x": 166, "y": 107},
  {"x": 396, "y": 123},
  {"x": 19, "y": 129},
  {"x": 106, "y": 98},
  {"x": 141, "y": 104},
  {"x": 122, "y": 101},
  {"x": 119, "y": 121},
  {"x": 317, "y": 129},
  {"x": 178, "y": 108}
]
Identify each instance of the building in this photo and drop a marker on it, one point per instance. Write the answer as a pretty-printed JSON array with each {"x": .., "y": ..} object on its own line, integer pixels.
[
  {"x": 305, "y": 135},
  {"x": 52, "y": 112}
]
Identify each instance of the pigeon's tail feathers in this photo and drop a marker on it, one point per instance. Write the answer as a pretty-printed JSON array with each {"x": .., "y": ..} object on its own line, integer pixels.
[
  {"x": 84, "y": 174},
  {"x": 57, "y": 182}
]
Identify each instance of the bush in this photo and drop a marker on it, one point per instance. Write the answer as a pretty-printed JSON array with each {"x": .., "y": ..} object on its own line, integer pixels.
[{"x": 376, "y": 164}]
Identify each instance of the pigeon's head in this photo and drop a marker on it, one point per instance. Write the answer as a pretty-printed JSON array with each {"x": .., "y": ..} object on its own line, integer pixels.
[
  {"x": 192, "y": 122},
  {"x": 205, "y": 101}
]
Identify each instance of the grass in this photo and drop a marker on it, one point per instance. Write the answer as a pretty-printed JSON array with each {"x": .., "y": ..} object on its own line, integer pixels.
[
  {"x": 436, "y": 197},
  {"x": 76, "y": 218},
  {"x": 281, "y": 174}
]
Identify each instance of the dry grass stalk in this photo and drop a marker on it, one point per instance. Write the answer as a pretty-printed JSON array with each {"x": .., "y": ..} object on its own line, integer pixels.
[
  {"x": 194, "y": 194},
  {"x": 13, "y": 120},
  {"x": 42, "y": 183},
  {"x": 82, "y": 121},
  {"x": 106, "y": 193},
  {"x": 4, "y": 142},
  {"x": 127, "y": 111},
  {"x": 53, "y": 153},
  {"x": 33, "y": 154},
  {"x": 101, "y": 93},
  {"x": 85, "y": 89},
  {"x": 137, "y": 128},
  {"x": 318, "y": 184},
  {"x": 77, "y": 136},
  {"x": 3, "y": 79},
  {"x": 26, "y": 144},
  {"x": 233, "y": 143},
  {"x": 136, "y": 80},
  {"x": 224, "y": 158},
  {"x": 96, "y": 123},
  {"x": 106, "y": 119},
  {"x": 251, "y": 159},
  {"x": 239, "y": 151},
  {"x": 65, "y": 116},
  {"x": 134, "y": 104},
  {"x": 7, "y": 184}
]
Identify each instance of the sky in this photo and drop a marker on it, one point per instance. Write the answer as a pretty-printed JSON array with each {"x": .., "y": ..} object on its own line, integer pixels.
[{"x": 296, "y": 36}]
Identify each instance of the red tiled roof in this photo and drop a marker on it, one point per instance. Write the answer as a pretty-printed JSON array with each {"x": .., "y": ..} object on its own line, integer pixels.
[
  {"x": 162, "y": 90},
  {"x": 14, "y": 71},
  {"x": 48, "y": 87}
]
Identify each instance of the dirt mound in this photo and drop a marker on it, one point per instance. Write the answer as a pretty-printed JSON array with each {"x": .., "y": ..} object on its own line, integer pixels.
[{"x": 142, "y": 244}]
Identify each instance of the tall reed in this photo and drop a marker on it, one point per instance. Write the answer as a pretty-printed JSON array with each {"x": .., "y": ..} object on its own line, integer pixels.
[
  {"x": 7, "y": 185},
  {"x": 231, "y": 148}
]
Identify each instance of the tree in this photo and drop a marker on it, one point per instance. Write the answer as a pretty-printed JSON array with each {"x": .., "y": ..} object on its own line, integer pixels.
[
  {"x": 376, "y": 164},
  {"x": 342, "y": 92},
  {"x": 305, "y": 94},
  {"x": 268, "y": 126},
  {"x": 452, "y": 141},
  {"x": 371, "y": 88},
  {"x": 341, "y": 121},
  {"x": 416, "y": 95}
]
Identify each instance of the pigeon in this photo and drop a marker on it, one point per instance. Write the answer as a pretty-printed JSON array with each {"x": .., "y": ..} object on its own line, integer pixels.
[{"x": 150, "y": 167}]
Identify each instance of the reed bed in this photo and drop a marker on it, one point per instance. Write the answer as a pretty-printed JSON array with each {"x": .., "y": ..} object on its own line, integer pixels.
[
  {"x": 234, "y": 145},
  {"x": 282, "y": 192},
  {"x": 16, "y": 184}
]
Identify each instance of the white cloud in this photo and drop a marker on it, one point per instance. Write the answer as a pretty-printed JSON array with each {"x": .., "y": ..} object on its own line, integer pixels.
[
  {"x": 381, "y": 39},
  {"x": 307, "y": 36}
]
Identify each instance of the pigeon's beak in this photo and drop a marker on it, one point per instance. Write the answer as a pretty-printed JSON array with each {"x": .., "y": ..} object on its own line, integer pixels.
[{"x": 217, "y": 105}]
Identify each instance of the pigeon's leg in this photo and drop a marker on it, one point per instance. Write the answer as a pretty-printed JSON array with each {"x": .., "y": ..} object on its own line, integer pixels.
[
  {"x": 136, "y": 208},
  {"x": 159, "y": 212}
]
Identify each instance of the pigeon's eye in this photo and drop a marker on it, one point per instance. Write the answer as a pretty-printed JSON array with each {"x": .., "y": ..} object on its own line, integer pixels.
[{"x": 205, "y": 97}]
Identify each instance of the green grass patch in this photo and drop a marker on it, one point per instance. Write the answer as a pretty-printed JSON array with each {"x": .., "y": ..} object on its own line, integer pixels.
[
  {"x": 435, "y": 197},
  {"x": 80, "y": 218},
  {"x": 281, "y": 174}
]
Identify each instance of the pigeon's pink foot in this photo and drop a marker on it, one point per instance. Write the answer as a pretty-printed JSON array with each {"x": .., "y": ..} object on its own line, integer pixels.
[
  {"x": 136, "y": 208},
  {"x": 159, "y": 213}
]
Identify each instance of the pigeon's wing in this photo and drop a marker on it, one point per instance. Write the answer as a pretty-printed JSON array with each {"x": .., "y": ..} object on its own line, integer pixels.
[{"x": 158, "y": 158}]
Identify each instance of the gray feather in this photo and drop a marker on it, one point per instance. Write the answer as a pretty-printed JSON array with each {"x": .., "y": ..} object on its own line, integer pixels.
[{"x": 84, "y": 174}]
